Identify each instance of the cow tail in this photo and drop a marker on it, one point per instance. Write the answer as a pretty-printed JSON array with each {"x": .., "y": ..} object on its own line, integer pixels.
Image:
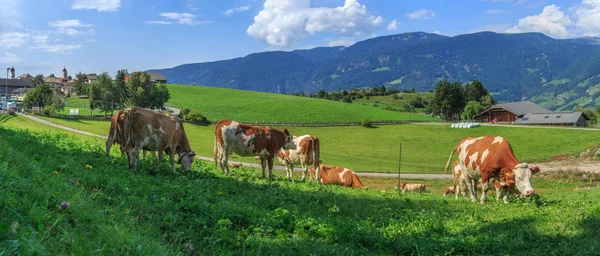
[
  {"x": 316, "y": 157},
  {"x": 215, "y": 148},
  {"x": 356, "y": 183},
  {"x": 450, "y": 158}
]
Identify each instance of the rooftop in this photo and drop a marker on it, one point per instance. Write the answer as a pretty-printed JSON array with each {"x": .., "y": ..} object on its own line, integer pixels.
[
  {"x": 549, "y": 118},
  {"x": 520, "y": 107}
]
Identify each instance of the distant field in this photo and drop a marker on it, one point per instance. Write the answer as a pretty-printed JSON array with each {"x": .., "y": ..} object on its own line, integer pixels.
[
  {"x": 249, "y": 106},
  {"x": 425, "y": 148},
  {"x": 405, "y": 98}
]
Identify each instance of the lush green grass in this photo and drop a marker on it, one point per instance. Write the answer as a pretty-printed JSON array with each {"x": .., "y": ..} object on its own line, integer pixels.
[
  {"x": 154, "y": 212},
  {"x": 249, "y": 106},
  {"x": 384, "y": 101},
  {"x": 425, "y": 148}
]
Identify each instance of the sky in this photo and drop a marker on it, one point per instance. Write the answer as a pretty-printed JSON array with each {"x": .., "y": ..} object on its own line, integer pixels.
[{"x": 94, "y": 36}]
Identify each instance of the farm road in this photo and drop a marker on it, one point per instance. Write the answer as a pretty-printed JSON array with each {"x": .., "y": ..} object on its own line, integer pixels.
[{"x": 590, "y": 166}]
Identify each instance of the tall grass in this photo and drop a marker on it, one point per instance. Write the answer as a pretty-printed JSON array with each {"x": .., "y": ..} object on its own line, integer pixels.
[{"x": 154, "y": 212}]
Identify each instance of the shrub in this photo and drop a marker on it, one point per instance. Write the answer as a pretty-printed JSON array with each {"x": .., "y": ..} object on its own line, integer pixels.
[
  {"x": 185, "y": 111},
  {"x": 194, "y": 116},
  {"x": 366, "y": 122},
  {"x": 12, "y": 112}
]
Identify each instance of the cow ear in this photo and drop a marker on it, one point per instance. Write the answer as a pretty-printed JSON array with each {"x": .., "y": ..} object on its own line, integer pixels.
[
  {"x": 534, "y": 169},
  {"x": 286, "y": 132},
  {"x": 507, "y": 175}
]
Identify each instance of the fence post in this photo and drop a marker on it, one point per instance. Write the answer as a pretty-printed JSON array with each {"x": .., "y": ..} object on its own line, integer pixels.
[{"x": 399, "y": 161}]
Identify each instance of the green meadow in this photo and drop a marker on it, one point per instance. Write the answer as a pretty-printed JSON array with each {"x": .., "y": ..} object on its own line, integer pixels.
[
  {"x": 425, "y": 147},
  {"x": 62, "y": 196},
  {"x": 249, "y": 106}
]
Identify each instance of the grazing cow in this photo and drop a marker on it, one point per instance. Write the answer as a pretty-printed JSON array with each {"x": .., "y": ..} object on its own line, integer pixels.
[
  {"x": 460, "y": 184},
  {"x": 154, "y": 131},
  {"x": 248, "y": 140},
  {"x": 338, "y": 176},
  {"x": 307, "y": 153},
  {"x": 234, "y": 165},
  {"x": 411, "y": 187},
  {"x": 448, "y": 191},
  {"x": 491, "y": 157},
  {"x": 116, "y": 133}
]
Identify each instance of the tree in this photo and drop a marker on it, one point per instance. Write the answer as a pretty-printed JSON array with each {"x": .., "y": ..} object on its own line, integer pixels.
[
  {"x": 475, "y": 91},
  {"x": 448, "y": 100},
  {"x": 43, "y": 96},
  {"x": 80, "y": 85},
  {"x": 51, "y": 75},
  {"x": 472, "y": 109},
  {"x": 37, "y": 81},
  {"x": 106, "y": 94},
  {"x": 598, "y": 109},
  {"x": 417, "y": 102},
  {"x": 321, "y": 94},
  {"x": 96, "y": 97},
  {"x": 145, "y": 94},
  {"x": 591, "y": 116},
  {"x": 487, "y": 101},
  {"x": 120, "y": 93}
]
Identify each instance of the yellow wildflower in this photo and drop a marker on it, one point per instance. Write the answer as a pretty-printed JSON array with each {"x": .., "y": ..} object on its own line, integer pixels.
[
  {"x": 54, "y": 172},
  {"x": 9, "y": 149},
  {"x": 87, "y": 166}
]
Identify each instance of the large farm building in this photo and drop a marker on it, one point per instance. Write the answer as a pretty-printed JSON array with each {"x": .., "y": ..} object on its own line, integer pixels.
[{"x": 529, "y": 113}]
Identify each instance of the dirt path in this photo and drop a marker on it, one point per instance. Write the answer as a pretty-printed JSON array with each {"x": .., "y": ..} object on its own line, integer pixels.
[{"x": 590, "y": 166}]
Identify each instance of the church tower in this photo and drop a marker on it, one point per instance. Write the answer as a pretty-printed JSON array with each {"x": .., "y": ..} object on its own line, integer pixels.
[
  {"x": 65, "y": 74},
  {"x": 12, "y": 73}
]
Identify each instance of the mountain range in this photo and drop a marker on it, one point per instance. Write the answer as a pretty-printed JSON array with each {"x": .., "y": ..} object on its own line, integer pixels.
[{"x": 556, "y": 73}]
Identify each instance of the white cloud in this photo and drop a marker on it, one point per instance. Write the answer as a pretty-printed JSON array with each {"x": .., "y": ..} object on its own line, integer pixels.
[
  {"x": 100, "y": 5},
  {"x": 10, "y": 58},
  {"x": 184, "y": 18},
  {"x": 588, "y": 14},
  {"x": 494, "y": 12},
  {"x": 422, "y": 14},
  {"x": 68, "y": 27},
  {"x": 552, "y": 22},
  {"x": 342, "y": 41},
  {"x": 10, "y": 16},
  {"x": 498, "y": 28},
  {"x": 237, "y": 9},
  {"x": 59, "y": 48},
  {"x": 392, "y": 25},
  {"x": 13, "y": 39},
  {"x": 158, "y": 22},
  {"x": 283, "y": 23},
  {"x": 191, "y": 7}
]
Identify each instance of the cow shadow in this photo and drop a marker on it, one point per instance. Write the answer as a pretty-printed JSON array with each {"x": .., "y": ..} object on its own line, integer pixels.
[{"x": 245, "y": 213}]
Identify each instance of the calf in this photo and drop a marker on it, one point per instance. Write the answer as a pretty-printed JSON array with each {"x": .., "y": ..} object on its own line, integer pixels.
[
  {"x": 153, "y": 131},
  {"x": 338, "y": 176},
  {"x": 306, "y": 154},
  {"x": 248, "y": 140},
  {"x": 491, "y": 157},
  {"x": 403, "y": 186}
]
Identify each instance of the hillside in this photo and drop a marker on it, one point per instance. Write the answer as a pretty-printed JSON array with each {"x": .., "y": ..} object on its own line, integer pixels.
[
  {"x": 557, "y": 73},
  {"x": 250, "y": 106}
]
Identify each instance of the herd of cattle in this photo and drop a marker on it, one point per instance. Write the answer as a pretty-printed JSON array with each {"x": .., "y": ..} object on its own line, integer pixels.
[{"x": 489, "y": 158}]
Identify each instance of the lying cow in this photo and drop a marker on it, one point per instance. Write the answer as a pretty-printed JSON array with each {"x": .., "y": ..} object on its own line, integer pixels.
[
  {"x": 338, "y": 176},
  {"x": 154, "y": 131},
  {"x": 248, "y": 140},
  {"x": 404, "y": 187},
  {"x": 306, "y": 154},
  {"x": 491, "y": 157}
]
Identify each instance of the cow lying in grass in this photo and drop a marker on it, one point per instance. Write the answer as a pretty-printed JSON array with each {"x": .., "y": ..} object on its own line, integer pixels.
[
  {"x": 403, "y": 186},
  {"x": 337, "y": 175}
]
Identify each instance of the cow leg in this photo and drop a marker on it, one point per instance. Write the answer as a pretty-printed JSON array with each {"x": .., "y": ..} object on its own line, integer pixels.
[
  {"x": 109, "y": 143},
  {"x": 224, "y": 160},
  {"x": 263, "y": 164},
  {"x": 289, "y": 168},
  {"x": 172, "y": 158},
  {"x": 135, "y": 154},
  {"x": 472, "y": 189},
  {"x": 271, "y": 167},
  {"x": 484, "y": 188},
  {"x": 160, "y": 158},
  {"x": 304, "y": 171}
]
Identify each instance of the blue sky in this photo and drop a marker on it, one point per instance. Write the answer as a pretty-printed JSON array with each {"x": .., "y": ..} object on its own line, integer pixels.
[{"x": 93, "y": 36}]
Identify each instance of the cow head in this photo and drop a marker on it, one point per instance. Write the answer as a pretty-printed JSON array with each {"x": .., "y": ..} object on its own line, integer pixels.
[
  {"x": 186, "y": 159},
  {"x": 289, "y": 140},
  {"x": 281, "y": 156},
  {"x": 522, "y": 178},
  {"x": 402, "y": 184}
]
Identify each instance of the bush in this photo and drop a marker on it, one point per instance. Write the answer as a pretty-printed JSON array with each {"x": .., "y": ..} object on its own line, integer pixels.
[
  {"x": 185, "y": 111},
  {"x": 194, "y": 116},
  {"x": 48, "y": 111},
  {"x": 12, "y": 112},
  {"x": 366, "y": 122}
]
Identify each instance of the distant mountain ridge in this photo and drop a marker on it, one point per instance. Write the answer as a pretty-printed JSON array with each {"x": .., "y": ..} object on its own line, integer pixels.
[{"x": 556, "y": 73}]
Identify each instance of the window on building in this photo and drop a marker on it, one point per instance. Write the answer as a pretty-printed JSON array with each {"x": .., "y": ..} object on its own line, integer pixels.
[
  {"x": 525, "y": 118},
  {"x": 546, "y": 116},
  {"x": 557, "y": 116}
]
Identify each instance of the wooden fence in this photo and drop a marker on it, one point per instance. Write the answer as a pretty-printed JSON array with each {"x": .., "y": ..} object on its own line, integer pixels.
[{"x": 379, "y": 122}]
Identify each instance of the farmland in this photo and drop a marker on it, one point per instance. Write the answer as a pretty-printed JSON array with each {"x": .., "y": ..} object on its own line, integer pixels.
[
  {"x": 425, "y": 147},
  {"x": 155, "y": 212}
]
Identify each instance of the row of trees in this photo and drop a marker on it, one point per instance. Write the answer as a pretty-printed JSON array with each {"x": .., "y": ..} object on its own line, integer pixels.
[
  {"x": 105, "y": 94},
  {"x": 350, "y": 95},
  {"x": 452, "y": 101}
]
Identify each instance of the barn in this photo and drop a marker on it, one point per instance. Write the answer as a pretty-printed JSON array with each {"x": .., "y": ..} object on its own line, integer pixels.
[
  {"x": 554, "y": 118},
  {"x": 510, "y": 112}
]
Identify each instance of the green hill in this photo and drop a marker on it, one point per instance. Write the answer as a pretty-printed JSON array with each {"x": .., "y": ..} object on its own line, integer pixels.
[{"x": 250, "y": 106}]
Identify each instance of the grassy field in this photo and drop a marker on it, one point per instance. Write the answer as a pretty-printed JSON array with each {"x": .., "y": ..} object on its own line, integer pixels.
[
  {"x": 425, "y": 148},
  {"x": 249, "y": 106},
  {"x": 385, "y": 101},
  {"x": 113, "y": 211}
]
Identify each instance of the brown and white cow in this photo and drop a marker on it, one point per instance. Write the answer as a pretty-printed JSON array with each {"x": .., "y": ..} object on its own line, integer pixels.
[
  {"x": 152, "y": 131},
  {"x": 460, "y": 184},
  {"x": 404, "y": 187},
  {"x": 491, "y": 157},
  {"x": 338, "y": 176},
  {"x": 248, "y": 140},
  {"x": 116, "y": 133},
  {"x": 306, "y": 154}
]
